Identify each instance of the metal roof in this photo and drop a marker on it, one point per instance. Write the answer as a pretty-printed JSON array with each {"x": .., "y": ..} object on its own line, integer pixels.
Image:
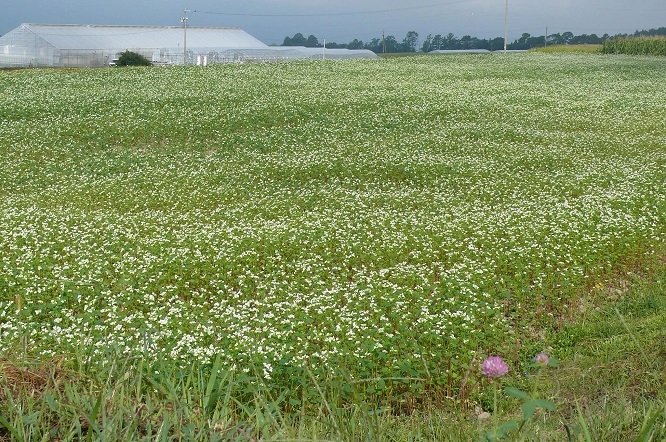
[
  {"x": 118, "y": 36},
  {"x": 341, "y": 53},
  {"x": 460, "y": 51}
]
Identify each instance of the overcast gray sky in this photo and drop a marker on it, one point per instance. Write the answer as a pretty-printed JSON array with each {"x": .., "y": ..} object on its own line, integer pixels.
[{"x": 342, "y": 21}]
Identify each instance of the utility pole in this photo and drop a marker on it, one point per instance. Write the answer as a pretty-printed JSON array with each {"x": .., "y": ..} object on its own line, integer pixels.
[
  {"x": 545, "y": 39},
  {"x": 506, "y": 22},
  {"x": 184, "y": 21},
  {"x": 384, "y": 41}
]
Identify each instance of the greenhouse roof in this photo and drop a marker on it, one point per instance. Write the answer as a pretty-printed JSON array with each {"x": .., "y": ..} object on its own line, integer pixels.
[
  {"x": 341, "y": 53},
  {"x": 117, "y": 36},
  {"x": 460, "y": 51}
]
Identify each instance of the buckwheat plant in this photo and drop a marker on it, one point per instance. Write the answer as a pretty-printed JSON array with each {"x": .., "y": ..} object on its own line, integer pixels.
[{"x": 494, "y": 368}]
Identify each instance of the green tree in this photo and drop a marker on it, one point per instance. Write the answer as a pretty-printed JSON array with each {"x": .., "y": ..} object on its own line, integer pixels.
[
  {"x": 438, "y": 42},
  {"x": 451, "y": 42},
  {"x": 555, "y": 39},
  {"x": 375, "y": 45},
  {"x": 356, "y": 44},
  {"x": 410, "y": 41},
  {"x": 312, "y": 42},
  {"x": 496, "y": 44},
  {"x": 392, "y": 44},
  {"x": 297, "y": 40},
  {"x": 466, "y": 42},
  {"x": 567, "y": 38},
  {"x": 427, "y": 44},
  {"x": 129, "y": 58},
  {"x": 586, "y": 39}
]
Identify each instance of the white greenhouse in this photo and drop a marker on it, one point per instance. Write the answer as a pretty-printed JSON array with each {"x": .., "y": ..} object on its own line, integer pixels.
[{"x": 44, "y": 45}]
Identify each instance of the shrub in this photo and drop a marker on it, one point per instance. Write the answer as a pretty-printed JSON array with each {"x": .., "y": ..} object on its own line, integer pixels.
[{"x": 129, "y": 58}]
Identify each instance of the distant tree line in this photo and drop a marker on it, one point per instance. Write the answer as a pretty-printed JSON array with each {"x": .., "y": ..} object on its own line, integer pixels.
[
  {"x": 385, "y": 44},
  {"x": 450, "y": 42}
]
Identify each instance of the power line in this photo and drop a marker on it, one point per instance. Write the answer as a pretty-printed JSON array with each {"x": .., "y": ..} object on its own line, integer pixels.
[{"x": 332, "y": 14}]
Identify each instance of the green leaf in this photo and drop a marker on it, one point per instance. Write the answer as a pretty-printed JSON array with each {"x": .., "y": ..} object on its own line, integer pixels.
[
  {"x": 5, "y": 423},
  {"x": 506, "y": 427},
  {"x": 212, "y": 387},
  {"x": 583, "y": 424},
  {"x": 31, "y": 419},
  {"x": 53, "y": 406},
  {"x": 501, "y": 432},
  {"x": 648, "y": 424},
  {"x": 163, "y": 435},
  {"x": 530, "y": 407},
  {"x": 490, "y": 437},
  {"x": 514, "y": 392}
]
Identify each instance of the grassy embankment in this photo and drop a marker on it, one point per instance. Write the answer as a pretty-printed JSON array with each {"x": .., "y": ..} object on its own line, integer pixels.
[{"x": 609, "y": 386}]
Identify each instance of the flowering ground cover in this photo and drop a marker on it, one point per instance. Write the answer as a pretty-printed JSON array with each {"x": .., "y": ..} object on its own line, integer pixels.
[{"x": 398, "y": 217}]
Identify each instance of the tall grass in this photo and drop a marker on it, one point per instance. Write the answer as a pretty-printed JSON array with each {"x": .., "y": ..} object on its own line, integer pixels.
[
  {"x": 609, "y": 386},
  {"x": 587, "y": 49},
  {"x": 636, "y": 46}
]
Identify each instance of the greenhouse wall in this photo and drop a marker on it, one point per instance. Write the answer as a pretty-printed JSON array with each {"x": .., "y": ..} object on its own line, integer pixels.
[
  {"x": 21, "y": 47},
  {"x": 85, "y": 58},
  {"x": 90, "y": 46}
]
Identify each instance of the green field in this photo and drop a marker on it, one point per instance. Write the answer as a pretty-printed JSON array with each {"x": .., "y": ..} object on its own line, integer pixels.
[{"x": 397, "y": 220}]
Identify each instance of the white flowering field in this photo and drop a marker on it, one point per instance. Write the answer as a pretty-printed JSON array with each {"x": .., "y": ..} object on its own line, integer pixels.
[{"x": 395, "y": 216}]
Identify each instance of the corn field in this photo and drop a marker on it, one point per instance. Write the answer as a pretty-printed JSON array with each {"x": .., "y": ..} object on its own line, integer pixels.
[{"x": 636, "y": 46}]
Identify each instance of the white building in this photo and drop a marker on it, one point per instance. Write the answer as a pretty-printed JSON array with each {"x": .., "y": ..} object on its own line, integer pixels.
[{"x": 40, "y": 45}]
